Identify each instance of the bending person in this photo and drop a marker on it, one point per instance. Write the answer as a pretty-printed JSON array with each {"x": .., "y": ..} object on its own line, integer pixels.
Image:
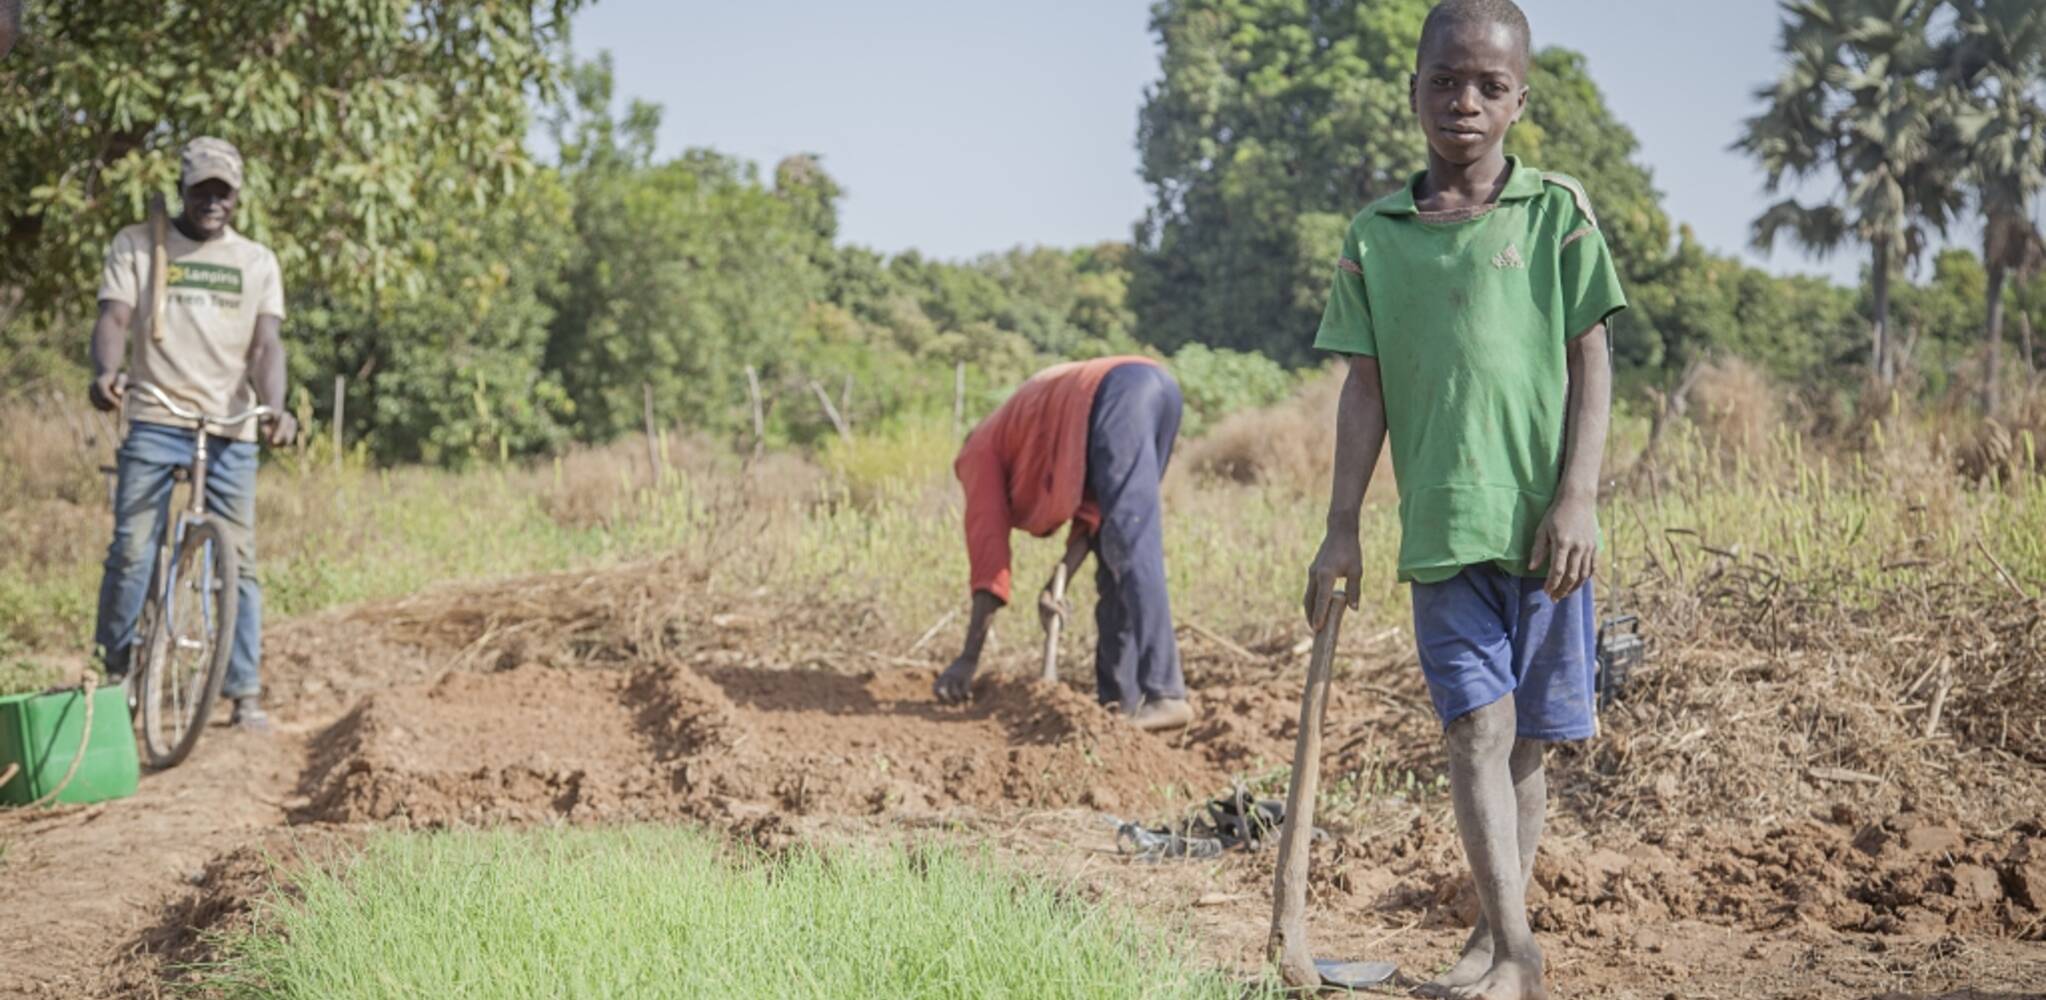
[{"x": 1085, "y": 443}]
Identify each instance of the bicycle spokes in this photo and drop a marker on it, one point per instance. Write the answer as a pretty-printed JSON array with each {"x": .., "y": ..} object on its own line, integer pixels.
[
  {"x": 191, "y": 640},
  {"x": 188, "y": 650}
]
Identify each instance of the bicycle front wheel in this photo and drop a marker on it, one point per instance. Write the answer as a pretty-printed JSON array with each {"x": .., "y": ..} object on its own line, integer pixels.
[{"x": 187, "y": 649}]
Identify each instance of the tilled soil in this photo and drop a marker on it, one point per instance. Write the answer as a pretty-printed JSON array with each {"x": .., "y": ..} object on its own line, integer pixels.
[{"x": 808, "y": 735}]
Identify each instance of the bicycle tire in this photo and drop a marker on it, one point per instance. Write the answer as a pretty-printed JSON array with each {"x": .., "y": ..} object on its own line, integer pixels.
[{"x": 182, "y": 696}]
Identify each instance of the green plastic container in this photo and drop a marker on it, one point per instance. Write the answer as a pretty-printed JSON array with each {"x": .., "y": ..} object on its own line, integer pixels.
[{"x": 40, "y": 732}]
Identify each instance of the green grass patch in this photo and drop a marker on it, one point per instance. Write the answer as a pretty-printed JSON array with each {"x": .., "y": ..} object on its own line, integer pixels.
[
  {"x": 19, "y": 674},
  {"x": 666, "y": 912}
]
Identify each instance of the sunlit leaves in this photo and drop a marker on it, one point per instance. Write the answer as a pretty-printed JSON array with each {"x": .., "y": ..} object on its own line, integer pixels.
[{"x": 358, "y": 118}]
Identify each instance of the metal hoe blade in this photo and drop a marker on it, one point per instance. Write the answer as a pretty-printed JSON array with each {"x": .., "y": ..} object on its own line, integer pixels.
[{"x": 1353, "y": 975}]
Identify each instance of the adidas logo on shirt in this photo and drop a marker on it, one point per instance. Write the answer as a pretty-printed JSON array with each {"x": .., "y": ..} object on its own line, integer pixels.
[{"x": 1509, "y": 259}]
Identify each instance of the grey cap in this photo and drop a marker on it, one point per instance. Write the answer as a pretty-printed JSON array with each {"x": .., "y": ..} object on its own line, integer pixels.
[{"x": 207, "y": 159}]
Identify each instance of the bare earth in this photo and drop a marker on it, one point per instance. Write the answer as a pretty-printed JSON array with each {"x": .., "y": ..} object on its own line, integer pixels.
[{"x": 405, "y": 716}]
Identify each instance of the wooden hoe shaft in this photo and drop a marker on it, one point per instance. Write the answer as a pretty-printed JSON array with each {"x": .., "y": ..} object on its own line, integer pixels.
[
  {"x": 1051, "y": 631},
  {"x": 1288, "y": 946}
]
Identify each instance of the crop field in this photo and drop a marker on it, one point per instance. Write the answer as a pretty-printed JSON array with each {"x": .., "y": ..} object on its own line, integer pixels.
[{"x": 566, "y": 729}]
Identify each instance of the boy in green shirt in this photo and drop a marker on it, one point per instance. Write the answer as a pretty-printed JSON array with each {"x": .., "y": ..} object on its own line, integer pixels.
[{"x": 1472, "y": 306}]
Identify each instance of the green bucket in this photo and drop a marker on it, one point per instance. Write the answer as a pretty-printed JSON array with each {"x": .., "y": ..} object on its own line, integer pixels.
[{"x": 42, "y": 733}]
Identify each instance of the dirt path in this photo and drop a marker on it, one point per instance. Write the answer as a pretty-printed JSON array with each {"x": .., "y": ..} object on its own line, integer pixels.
[{"x": 84, "y": 883}]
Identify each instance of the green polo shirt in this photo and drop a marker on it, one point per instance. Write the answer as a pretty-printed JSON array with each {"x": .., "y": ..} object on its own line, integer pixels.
[{"x": 1468, "y": 314}]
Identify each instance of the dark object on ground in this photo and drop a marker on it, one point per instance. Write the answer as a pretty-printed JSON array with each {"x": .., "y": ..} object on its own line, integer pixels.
[
  {"x": 1232, "y": 822},
  {"x": 1243, "y": 822},
  {"x": 1620, "y": 650},
  {"x": 1145, "y": 844}
]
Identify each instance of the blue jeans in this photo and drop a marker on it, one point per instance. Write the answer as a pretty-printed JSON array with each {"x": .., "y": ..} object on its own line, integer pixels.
[
  {"x": 148, "y": 456},
  {"x": 1130, "y": 434}
]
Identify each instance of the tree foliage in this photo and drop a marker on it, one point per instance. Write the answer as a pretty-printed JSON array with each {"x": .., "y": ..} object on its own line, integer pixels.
[
  {"x": 361, "y": 120},
  {"x": 1860, "y": 103},
  {"x": 458, "y": 372},
  {"x": 483, "y": 304},
  {"x": 1997, "y": 64},
  {"x": 1275, "y": 121}
]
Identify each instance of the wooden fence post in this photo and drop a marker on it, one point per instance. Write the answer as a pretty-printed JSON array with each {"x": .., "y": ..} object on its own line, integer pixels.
[
  {"x": 958, "y": 400},
  {"x": 759, "y": 417},
  {"x": 831, "y": 412},
  {"x": 340, "y": 404},
  {"x": 653, "y": 448}
]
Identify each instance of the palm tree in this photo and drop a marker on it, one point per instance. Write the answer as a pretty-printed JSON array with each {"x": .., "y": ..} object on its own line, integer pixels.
[
  {"x": 1860, "y": 100},
  {"x": 1997, "y": 63}
]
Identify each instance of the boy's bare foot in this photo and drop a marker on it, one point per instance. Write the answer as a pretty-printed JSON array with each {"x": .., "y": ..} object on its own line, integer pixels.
[
  {"x": 1508, "y": 979},
  {"x": 1470, "y": 966}
]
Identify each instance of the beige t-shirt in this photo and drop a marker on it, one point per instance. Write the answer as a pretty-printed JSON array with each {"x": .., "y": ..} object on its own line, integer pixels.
[{"x": 216, "y": 289}]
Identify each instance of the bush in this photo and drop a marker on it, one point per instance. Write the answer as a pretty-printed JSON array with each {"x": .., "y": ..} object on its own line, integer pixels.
[{"x": 1218, "y": 382}]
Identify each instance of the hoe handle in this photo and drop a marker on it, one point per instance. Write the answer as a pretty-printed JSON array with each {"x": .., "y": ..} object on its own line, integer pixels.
[
  {"x": 1288, "y": 947},
  {"x": 159, "y": 263},
  {"x": 1051, "y": 629}
]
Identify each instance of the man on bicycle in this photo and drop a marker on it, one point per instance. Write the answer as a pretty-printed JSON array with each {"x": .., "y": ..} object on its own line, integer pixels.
[{"x": 223, "y": 307}]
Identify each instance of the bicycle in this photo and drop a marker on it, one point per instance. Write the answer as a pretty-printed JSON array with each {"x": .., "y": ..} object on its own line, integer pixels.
[{"x": 186, "y": 629}]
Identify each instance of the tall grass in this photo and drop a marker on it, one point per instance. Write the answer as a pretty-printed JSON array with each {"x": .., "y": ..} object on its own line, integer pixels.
[
  {"x": 879, "y": 523},
  {"x": 665, "y": 912}
]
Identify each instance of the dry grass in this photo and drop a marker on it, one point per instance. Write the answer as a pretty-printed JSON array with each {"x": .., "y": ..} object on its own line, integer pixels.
[
  {"x": 1768, "y": 694},
  {"x": 1290, "y": 446},
  {"x": 1735, "y": 405},
  {"x": 1848, "y": 616}
]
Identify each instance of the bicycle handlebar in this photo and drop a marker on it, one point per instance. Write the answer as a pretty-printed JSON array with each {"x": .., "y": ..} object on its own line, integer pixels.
[{"x": 184, "y": 414}]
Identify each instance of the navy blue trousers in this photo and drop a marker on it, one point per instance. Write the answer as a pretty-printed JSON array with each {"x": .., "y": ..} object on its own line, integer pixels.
[{"x": 1129, "y": 441}]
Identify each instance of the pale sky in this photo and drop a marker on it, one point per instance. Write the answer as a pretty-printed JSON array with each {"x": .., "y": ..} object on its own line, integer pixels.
[{"x": 959, "y": 127}]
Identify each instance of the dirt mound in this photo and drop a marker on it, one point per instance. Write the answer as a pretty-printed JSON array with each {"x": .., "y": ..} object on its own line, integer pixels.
[
  {"x": 522, "y": 745},
  {"x": 1770, "y": 692},
  {"x": 1907, "y": 874},
  {"x": 813, "y": 741},
  {"x": 726, "y": 744}
]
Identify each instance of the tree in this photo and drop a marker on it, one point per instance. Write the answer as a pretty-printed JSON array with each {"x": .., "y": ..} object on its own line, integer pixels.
[
  {"x": 1701, "y": 305},
  {"x": 458, "y": 373},
  {"x": 1860, "y": 99},
  {"x": 1940, "y": 319},
  {"x": 1999, "y": 67},
  {"x": 1273, "y": 122},
  {"x": 360, "y": 120},
  {"x": 1216, "y": 382},
  {"x": 685, "y": 272},
  {"x": 1276, "y": 121}
]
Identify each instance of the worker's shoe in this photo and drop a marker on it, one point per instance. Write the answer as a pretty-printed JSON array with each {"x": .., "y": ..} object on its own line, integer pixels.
[
  {"x": 1159, "y": 714},
  {"x": 249, "y": 716}
]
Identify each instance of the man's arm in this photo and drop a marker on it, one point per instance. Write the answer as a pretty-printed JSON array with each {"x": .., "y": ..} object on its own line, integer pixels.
[
  {"x": 1360, "y": 436},
  {"x": 1568, "y": 538},
  {"x": 266, "y": 370},
  {"x": 109, "y": 352}
]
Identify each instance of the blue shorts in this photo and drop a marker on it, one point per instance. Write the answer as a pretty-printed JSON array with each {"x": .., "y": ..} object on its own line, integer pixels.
[{"x": 1484, "y": 634}]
